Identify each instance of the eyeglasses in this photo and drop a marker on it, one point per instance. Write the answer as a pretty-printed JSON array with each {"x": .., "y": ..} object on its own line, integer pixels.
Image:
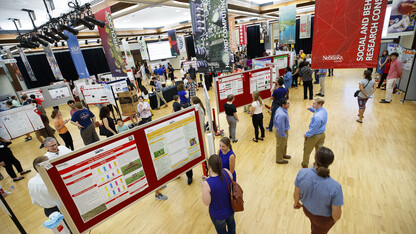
[{"x": 50, "y": 146}]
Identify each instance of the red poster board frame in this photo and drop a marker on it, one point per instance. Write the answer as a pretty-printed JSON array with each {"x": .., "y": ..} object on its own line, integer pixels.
[
  {"x": 55, "y": 183},
  {"x": 246, "y": 97},
  {"x": 281, "y": 71}
]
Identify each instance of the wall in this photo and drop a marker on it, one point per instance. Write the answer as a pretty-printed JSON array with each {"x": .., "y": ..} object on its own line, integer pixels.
[
  {"x": 5, "y": 86},
  {"x": 407, "y": 41}
]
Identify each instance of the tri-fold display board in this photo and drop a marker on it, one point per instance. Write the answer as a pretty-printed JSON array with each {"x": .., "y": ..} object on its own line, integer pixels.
[
  {"x": 242, "y": 85},
  {"x": 19, "y": 121},
  {"x": 98, "y": 181}
]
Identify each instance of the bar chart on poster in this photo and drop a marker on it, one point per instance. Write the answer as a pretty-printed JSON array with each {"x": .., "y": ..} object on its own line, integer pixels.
[
  {"x": 173, "y": 144},
  {"x": 260, "y": 81},
  {"x": 105, "y": 177}
]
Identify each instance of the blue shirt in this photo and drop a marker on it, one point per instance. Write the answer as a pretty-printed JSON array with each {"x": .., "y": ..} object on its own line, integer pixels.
[
  {"x": 287, "y": 77},
  {"x": 318, "y": 122},
  {"x": 181, "y": 95},
  {"x": 318, "y": 194},
  {"x": 322, "y": 71},
  {"x": 122, "y": 128},
  {"x": 160, "y": 71},
  {"x": 158, "y": 86},
  {"x": 225, "y": 158},
  {"x": 83, "y": 117},
  {"x": 278, "y": 94},
  {"x": 281, "y": 121},
  {"x": 220, "y": 206}
]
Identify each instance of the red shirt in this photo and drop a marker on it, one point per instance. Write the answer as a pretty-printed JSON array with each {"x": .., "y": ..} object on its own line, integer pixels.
[
  {"x": 387, "y": 67},
  {"x": 38, "y": 101}
]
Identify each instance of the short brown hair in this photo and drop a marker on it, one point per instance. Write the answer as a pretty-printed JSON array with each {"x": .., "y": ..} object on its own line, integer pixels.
[
  {"x": 320, "y": 100},
  {"x": 230, "y": 97},
  {"x": 78, "y": 105},
  {"x": 181, "y": 87}
]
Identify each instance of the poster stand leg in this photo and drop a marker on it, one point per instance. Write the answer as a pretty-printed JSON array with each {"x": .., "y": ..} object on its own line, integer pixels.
[
  {"x": 12, "y": 216},
  {"x": 83, "y": 101},
  {"x": 117, "y": 107}
]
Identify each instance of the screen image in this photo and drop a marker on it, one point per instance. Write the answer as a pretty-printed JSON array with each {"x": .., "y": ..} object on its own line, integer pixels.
[{"x": 159, "y": 50}]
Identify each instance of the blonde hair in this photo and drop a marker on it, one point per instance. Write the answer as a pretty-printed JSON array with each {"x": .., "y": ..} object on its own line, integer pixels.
[
  {"x": 256, "y": 97},
  {"x": 320, "y": 100}
]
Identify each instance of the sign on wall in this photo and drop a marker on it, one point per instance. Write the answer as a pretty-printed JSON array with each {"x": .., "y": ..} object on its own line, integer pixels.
[
  {"x": 402, "y": 18},
  {"x": 287, "y": 25},
  {"x": 242, "y": 33},
  {"x": 349, "y": 37},
  {"x": 305, "y": 26}
]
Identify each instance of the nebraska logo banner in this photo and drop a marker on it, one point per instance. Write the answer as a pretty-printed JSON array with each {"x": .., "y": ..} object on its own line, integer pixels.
[
  {"x": 348, "y": 37},
  {"x": 110, "y": 43}
]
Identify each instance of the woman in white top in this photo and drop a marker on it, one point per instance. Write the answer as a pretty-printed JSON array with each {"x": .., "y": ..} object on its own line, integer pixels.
[
  {"x": 183, "y": 72},
  {"x": 144, "y": 111},
  {"x": 257, "y": 116}
]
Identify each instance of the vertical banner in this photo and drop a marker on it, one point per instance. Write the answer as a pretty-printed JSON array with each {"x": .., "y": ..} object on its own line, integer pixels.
[
  {"x": 76, "y": 55},
  {"x": 110, "y": 43},
  {"x": 127, "y": 53},
  {"x": 173, "y": 43},
  {"x": 305, "y": 26},
  {"x": 287, "y": 24},
  {"x": 242, "y": 32},
  {"x": 402, "y": 18},
  {"x": 143, "y": 48},
  {"x": 52, "y": 62},
  {"x": 181, "y": 44},
  {"x": 16, "y": 68},
  {"x": 233, "y": 42},
  {"x": 349, "y": 37},
  {"x": 264, "y": 32},
  {"x": 27, "y": 65},
  {"x": 211, "y": 35},
  {"x": 275, "y": 32}
]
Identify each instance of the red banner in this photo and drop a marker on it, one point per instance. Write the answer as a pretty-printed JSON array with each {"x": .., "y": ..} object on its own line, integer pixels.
[
  {"x": 242, "y": 32},
  {"x": 349, "y": 35}
]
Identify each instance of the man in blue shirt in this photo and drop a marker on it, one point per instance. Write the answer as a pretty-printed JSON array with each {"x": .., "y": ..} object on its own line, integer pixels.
[
  {"x": 158, "y": 90},
  {"x": 321, "y": 77},
  {"x": 82, "y": 119},
  {"x": 315, "y": 136},
  {"x": 278, "y": 94},
  {"x": 281, "y": 124}
]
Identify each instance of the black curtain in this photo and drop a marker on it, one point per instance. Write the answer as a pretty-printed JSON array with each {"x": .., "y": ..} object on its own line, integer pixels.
[
  {"x": 190, "y": 48},
  {"x": 94, "y": 59},
  {"x": 303, "y": 44},
  {"x": 254, "y": 47}
]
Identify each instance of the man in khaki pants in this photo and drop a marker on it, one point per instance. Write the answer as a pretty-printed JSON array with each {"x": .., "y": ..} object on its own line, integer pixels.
[
  {"x": 281, "y": 124},
  {"x": 395, "y": 73},
  {"x": 315, "y": 136}
]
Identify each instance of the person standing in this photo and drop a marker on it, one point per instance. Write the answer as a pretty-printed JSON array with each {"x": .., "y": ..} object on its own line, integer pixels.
[
  {"x": 108, "y": 122},
  {"x": 54, "y": 150},
  {"x": 82, "y": 119},
  {"x": 306, "y": 75},
  {"x": 159, "y": 94},
  {"x": 63, "y": 131},
  {"x": 71, "y": 104},
  {"x": 192, "y": 72},
  {"x": 321, "y": 195},
  {"x": 395, "y": 73},
  {"x": 227, "y": 156},
  {"x": 381, "y": 64},
  {"x": 278, "y": 94},
  {"x": 287, "y": 77},
  {"x": 321, "y": 74},
  {"x": 170, "y": 73},
  {"x": 257, "y": 116},
  {"x": 231, "y": 115},
  {"x": 183, "y": 96},
  {"x": 33, "y": 97},
  {"x": 215, "y": 194},
  {"x": 281, "y": 124},
  {"x": 385, "y": 72},
  {"x": 15, "y": 102},
  {"x": 330, "y": 72},
  {"x": 295, "y": 73},
  {"x": 367, "y": 88},
  {"x": 191, "y": 86},
  {"x": 8, "y": 160},
  {"x": 315, "y": 136},
  {"x": 143, "y": 108}
]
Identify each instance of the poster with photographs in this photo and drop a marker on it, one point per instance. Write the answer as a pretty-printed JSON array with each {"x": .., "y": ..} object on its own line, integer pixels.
[
  {"x": 402, "y": 18},
  {"x": 264, "y": 32}
]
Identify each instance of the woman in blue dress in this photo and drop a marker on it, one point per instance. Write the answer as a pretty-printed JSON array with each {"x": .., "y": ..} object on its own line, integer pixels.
[
  {"x": 381, "y": 64},
  {"x": 227, "y": 156}
]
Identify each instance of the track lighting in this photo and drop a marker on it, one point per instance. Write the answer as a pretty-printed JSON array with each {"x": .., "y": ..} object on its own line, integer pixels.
[
  {"x": 71, "y": 30},
  {"x": 51, "y": 35},
  {"x": 86, "y": 42},
  {"x": 63, "y": 36},
  {"x": 63, "y": 43},
  {"x": 79, "y": 21},
  {"x": 93, "y": 20},
  {"x": 45, "y": 38},
  {"x": 37, "y": 39},
  {"x": 98, "y": 41}
]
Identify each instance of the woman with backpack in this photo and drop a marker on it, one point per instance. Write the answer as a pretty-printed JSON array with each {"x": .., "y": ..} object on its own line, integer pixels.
[{"x": 215, "y": 194}]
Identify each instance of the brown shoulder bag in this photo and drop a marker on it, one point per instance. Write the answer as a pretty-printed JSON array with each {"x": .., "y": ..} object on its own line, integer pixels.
[{"x": 236, "y": 194}]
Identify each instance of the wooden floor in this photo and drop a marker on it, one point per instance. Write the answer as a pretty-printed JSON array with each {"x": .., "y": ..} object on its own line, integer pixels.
[{"x": 374, "y": 162}]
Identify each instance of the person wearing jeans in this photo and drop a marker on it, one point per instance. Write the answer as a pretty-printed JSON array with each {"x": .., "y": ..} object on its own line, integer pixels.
[
  {"x": 306, "y": 74},
  {"x": 395, "y": 73},
  {"x": 321, "y": 74},
  {"x": 232, "y": 118},
  {"x": 257, "y": 116},
  {"x": 215, "y": 194}
]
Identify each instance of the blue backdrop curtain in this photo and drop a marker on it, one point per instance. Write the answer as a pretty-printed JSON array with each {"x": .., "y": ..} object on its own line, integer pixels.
[
  {"x": 94, "y": 58},
  {"x": 254, "y": 47},
  {"x": 303, "y": 44}
]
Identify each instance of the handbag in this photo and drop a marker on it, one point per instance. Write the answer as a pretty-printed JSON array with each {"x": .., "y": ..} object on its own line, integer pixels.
[
  {"x": 104, "y": 131},
  {"x": 358, "y": 91},
  {"x": 236, "y": 195}
]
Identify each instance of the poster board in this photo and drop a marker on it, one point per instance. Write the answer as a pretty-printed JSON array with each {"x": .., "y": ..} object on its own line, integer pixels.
[
  {"x": 96, "y": 182},
  {"x": 281, "y": 60},
  {"x": 49, "y": 94},
  {"x": 128, "y": 102},
  {"x": 96, "y": 94},
  {"x": 119, "y": 86},
  {"x": 19, "y": 121},
  {"x": 252, "y": 80}
]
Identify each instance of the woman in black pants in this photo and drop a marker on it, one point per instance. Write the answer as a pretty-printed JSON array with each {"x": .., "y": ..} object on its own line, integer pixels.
[
  {"x": 63, "y": 131},
  {"x": 257, "y": 116},
  {"x": 8, "y": 160}
]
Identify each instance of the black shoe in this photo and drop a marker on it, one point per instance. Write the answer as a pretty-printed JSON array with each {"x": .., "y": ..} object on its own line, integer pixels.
[
  {"x": 310, "y": 98},
  {"x": 384, "y": 101},
  {"x": 318, "y": 94},
  {"x": 41, "y": 146},
  {"x": 189, "y": 180}
]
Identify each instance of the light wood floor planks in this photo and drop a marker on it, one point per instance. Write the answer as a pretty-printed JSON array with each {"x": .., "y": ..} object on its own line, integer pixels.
[{"x": 374, "y": 162}]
